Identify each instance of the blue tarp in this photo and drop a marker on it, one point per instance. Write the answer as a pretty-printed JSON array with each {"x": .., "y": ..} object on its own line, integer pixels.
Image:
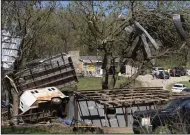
[{"x": 66, "y": 122}]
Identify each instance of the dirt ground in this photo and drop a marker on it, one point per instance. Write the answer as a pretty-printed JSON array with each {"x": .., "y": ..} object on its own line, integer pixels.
[
  {"x": 147, "y": 81},
  {"x": 60, "y": 129},
  {"x": 113, "y": 130}
]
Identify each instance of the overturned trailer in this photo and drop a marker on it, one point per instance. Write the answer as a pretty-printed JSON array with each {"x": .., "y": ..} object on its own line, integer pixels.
[
  {"x": 36, "y": 104},
  {"x": 39, "y": 86}
]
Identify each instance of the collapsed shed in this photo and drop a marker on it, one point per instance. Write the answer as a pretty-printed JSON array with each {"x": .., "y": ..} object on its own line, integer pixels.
[{"x": 114, "y": 108}]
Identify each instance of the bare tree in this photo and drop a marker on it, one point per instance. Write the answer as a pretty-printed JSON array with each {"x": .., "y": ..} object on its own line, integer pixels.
[
  {"x": 126, "y": 37},
  {"x": 23, "y": 19}
]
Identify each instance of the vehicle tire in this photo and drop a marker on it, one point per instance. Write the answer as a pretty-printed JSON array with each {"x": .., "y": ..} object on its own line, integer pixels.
[
  {"x": 60, "y": 111},
  {"x": 162, "y": 130},
  {"x": 56, "y": 101}
]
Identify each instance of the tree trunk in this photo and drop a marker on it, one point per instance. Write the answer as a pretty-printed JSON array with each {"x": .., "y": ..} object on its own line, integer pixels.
[
  {"x": 15, "y": 106},
  {"x": 114, "y": 77},
  {"x": 188, "y": 58},
  {"x": 116, "y": 72},
  {"x": 105, "y": 66},
  {"x": 15, "y": 97}
]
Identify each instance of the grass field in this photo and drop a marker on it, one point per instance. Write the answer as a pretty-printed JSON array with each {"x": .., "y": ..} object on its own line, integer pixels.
[
  {"x": 186, "y": 83},
  {"x": 33, "y": 130},
  {"x": 94, "y": 83}
]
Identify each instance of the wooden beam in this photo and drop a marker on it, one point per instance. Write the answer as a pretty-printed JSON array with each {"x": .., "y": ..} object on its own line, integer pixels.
[
  {"x": 116, "y": 117},
  {"x": 147, "y": 34},
  {"x": 75, "y": 108}
]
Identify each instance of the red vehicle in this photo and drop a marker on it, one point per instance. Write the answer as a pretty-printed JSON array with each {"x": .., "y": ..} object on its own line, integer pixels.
[{"x": 176, "y": 71}]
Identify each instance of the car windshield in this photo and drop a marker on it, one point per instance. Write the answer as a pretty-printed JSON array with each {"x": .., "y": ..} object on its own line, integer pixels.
[
  {"x": 166, "y": 73},
  {"x": 176, "y": 85},
  {"x": 160, "y": 68}
]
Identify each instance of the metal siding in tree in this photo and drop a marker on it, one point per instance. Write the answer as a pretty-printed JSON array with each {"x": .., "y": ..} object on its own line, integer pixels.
[{"x": 9, "y": 49}]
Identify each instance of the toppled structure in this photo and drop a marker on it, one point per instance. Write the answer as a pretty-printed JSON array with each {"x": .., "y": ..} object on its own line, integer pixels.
[
  {"x": 33, "y": 99},
  {"x": 37, "y": 104},
  {"x": 39, "y": 83},
  {"x": 56, "y": 71},
  {"x": 115, "y": 108}
]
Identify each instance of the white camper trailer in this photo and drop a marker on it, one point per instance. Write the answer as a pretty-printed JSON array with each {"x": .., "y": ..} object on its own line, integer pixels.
[{"x": 47, "y": 101}]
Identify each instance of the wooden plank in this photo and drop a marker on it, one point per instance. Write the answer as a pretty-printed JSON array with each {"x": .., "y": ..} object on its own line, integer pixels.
[
  {"x": 121, "y": 90},
  {"x": 59, "y": 75},
  {"x": 146, "y": 46},
  {"x": 52, "y": 83},
  {"x": 147, "y": 34},
  {"x": 133, "y": 46},
  {"x": 75, "y": 108},
  {"x": 27, "y": 75}
]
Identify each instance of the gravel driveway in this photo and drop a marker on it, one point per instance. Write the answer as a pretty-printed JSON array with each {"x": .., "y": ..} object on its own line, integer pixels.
[{"x": 147, "y": 81}]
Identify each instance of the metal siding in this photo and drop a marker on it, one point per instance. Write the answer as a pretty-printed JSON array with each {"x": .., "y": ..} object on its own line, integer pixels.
[
  {"x": 7, "y": 53},
  {"x": 113, "y": 120}
]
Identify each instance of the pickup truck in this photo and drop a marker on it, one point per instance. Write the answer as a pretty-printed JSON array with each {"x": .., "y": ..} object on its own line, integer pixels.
[{"x": 169, "y": 119}]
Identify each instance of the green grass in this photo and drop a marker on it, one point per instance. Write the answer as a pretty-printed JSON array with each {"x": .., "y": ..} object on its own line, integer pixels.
[
  {"x": 186, "y": 83},
  {"x": 22, "y": 131},
  {"x": 33, "y": 130},
  {"x": 94, "y": 83}
]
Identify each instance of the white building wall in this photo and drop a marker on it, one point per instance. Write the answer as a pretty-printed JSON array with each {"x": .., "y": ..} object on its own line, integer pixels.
[{"x": 129, "y": 70}]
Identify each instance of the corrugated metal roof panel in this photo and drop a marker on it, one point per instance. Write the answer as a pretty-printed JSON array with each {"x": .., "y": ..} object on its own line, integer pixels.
[{"x": 10, "y": 46}]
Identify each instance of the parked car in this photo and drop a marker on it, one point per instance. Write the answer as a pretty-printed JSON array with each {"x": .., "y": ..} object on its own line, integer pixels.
[
  {"x": 157, "y": 69},
  {"x": 183, "y": 71},
  {"x": 164, "y": 75},
  {"x": 178, "y": 87},
  {"x": 188, "y": 72},
  {"x": 186, "y": 90},
  {"x": 177, "y": 71},
  {"x": 164, "y": 119}
]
